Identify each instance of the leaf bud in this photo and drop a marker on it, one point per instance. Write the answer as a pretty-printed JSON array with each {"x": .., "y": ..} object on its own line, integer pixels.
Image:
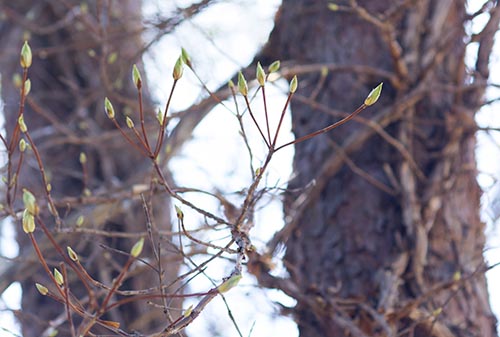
[
  {"x": 242, "y": 84},
  {"x": 72, "y": 255},
  {"x": 136, "y": 77},
  {"x": 58, "y": 276},
  {"x": 374, "y": 95},
  {"x": 261, "y": 75},
  {"x": 26, "y": 55},
  {"x": 110, "y": 111},
  {"x": 293, "y": 84},
  {"x": 130, "y": 122},
  {"x": 28, "y": 222},
  {"x": 179, "y": 213},
  {"x": 22, "y": 124},
  {"x": 186, "y": 58},
  {"x": 41, "y": 289},
  {"x": 178, "y": 69},
  {"x": 137, "y": 248},
  {"x": 274, "y": 67},
  {"x": 29, "y": 201}
]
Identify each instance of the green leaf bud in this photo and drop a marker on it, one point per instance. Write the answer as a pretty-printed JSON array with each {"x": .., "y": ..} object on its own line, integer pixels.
[
  {"x": 374, "y": 95},
  {"x": 28, "y": 222},
  {"x": 293, "y": 84},
  {"x": 80, "y": 220},
  {"x": 22, "y": 124},
  {"x": 29, "y": 201},
  {"x": 137, "y": 248},
  {"x": 136, "y": 77},
  {"x": 83, "y": 158},
  {"x": 178, "y": 69},
  {"x": 41, "y": 289},
  {"x": 110, "y": 111},
  {"x": 130, "y": 122},
  {"x": 22, "y": 145},
  {"x": 72, "y": 255},
  {"x": 179, "y": 213},
  {"x": 274, "y": 67},
  {"x": 26, "y": 55},
  {"x": 242, "y": 84},
  {"x": 27, "y": 87},
  {"x": 58, "y": 276},
  {"x": 229, "y": 283},
  {"x": 261, "y": 75},
  {"x": 185, "y": 57}
]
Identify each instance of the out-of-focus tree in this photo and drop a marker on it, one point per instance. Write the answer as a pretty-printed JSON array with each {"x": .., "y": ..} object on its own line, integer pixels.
[{"x": 382, "y": 233}]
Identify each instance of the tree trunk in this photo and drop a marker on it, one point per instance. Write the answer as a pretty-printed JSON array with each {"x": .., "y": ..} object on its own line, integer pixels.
[
  {"x": 83, "y": 53},
  {"x": 387, "y": 241}
]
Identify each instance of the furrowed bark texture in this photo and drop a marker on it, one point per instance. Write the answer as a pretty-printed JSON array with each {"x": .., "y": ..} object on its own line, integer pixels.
[
  {"x": 80, "y": 55},
  {"x": 388, "y": 240}
]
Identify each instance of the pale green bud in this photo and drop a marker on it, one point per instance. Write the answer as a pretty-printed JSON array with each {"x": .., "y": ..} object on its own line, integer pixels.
[
  {"x": 22, "y": 145},
  {"x": 58, "y": 276},
  {"x": 110, "y": 111},
  {"x": 41, "y": 289},
  {"x": 28, "y": 222},
  {"x": 261, "y": 75},
  {"x": 136, "y": 77},
  {"x": 185, "y": 57},
  {"x": 178, "y": 69},
  {"x": 230, "y": 283},
  {"x": 179, "y": 213},
  {"x": 83, "y": 158},
  {"x": 293, "y": 84},
  {"x": 72, "y": 255},
  {"x": 374, "y": 95},
  {"x": 26, "y": 55},
  {"x": 137, "y": 248},
  {"x": 274, "y": 67},
  {"x": 29, "y": 201},
  {"x": 130, "y": 122},
  {"x": 22, "y": 124},
  {"x": 27, "y": 87},
  {"x": 242, "y": 84}
]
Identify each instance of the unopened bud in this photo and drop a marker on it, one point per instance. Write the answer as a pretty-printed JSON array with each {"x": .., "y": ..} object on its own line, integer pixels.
[
  {"x": 22, "y": 145},
  {"x": 80, "y": 220},
  {"x": 185, "y": 57},
  {"x": 137, "y": 248},
  {"x": 159, "y": 116},
  {"x": 28, "y": 222},
  {"x": 26, "y": 55},
  {"x": 58, "y": 276},
  {"x": 178, "y": 69},
  {"x": 110, "y": 111},
  {"x": 27, "y": 87},
  {"x": 41, "y": 289},
  {"x": 274, "y": 67},
  {"x": 293, "y": 84},
  {"x": 136, "y": 77},
  {"x": 179, "y": 213},
  {"x": 230, "y": 283},
  {"x": 83, "y": 158},
  {"x": 130, "y": 122},
  {"x": 261, "y": 75},
  {"x": 242, "y": 84},
  {"x": 22, "y": 124},
  {"x": 72, "y": 255},
  {"x": 29, "y": 201},
  {"x": 374, "y": 95}
]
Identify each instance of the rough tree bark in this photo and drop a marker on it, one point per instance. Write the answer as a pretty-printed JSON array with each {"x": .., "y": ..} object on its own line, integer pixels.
[{"x": 387, "y": 241}]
